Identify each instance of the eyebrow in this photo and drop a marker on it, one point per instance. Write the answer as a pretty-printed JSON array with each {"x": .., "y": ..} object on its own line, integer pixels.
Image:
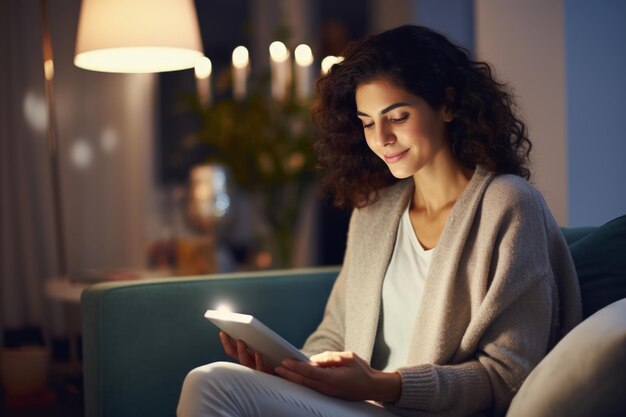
[{"x": 385, "y": 110}]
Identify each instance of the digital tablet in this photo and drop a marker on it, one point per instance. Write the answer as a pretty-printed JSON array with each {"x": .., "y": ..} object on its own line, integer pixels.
[{"x": 257, "y": 336}]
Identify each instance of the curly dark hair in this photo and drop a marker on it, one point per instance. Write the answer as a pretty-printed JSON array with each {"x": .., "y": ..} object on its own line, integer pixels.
[{"x": 484, "y": 130}]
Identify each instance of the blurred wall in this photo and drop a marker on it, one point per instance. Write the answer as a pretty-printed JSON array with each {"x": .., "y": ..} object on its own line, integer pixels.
[
  {"x": 454, "y": 18},
  {"x": 524, "y": 42},
  {"x": 565, "y": 60},
  {"x": 595, "y": 33}
]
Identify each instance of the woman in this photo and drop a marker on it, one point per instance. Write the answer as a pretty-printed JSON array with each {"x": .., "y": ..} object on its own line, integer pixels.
[{"x": 456, "y": 279}]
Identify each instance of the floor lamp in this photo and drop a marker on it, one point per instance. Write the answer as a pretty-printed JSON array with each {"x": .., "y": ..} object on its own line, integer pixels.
[
  {"x": 133, "y": 36},
  {"x": 53, "y": 146},
  {"x": 130, "y": 36}
]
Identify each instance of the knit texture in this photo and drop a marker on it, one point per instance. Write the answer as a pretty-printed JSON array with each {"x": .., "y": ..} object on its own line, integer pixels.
[{"x": 500, "y": 292}]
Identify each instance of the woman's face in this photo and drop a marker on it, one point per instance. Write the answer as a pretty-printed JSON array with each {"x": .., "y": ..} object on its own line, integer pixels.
[{"x": 401, "y": 128}]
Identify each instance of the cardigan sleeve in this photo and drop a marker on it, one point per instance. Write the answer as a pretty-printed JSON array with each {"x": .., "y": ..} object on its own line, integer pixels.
[
  {"x": 506, "y": 354},
  {"x": 330, "y": 334},
  {"x": 513, "y": 327}
]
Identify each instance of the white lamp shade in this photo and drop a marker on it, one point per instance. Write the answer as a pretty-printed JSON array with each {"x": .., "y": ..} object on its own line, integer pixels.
[{"x": 138, "y": 35}]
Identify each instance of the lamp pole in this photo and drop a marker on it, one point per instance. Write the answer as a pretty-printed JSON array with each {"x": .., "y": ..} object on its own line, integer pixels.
[{"x": 53, "y": 146}]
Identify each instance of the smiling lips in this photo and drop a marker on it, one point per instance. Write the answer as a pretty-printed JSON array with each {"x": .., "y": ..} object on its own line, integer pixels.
[{"x": 392, "y": 158}]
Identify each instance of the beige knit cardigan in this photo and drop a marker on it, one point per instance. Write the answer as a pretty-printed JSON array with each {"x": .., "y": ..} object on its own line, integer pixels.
[{"x": 501, "y": 290}]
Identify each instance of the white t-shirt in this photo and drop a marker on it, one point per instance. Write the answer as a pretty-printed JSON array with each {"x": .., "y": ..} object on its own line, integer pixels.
[{"x": 402, "y": 293}]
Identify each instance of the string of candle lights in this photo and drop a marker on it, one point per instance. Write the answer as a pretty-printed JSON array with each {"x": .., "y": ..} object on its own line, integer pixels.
[
  {"x": 240, "y": 71},
  {"x": 203, "y": 71},
  {"x": 282, "y": 69},
  {"x": 263, "y": 138}
]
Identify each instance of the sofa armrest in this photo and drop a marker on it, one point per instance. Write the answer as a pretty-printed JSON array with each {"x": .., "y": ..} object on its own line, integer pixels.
[{"x": 141, "y": 338}]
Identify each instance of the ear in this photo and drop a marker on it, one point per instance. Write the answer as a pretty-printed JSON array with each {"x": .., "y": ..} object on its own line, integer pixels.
[{"x": 448, "y": 104}]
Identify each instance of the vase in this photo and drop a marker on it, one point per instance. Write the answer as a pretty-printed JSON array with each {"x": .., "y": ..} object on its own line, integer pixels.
[
  {"x": 281, "y": 209},
  {"x": 24, "y": 370}
]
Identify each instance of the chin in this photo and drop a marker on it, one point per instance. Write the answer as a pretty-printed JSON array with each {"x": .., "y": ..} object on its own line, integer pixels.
[{"x": 401, "y": 174}]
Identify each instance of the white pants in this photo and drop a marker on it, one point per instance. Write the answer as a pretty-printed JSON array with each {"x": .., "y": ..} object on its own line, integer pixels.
[{"x": 231, "y": 390}]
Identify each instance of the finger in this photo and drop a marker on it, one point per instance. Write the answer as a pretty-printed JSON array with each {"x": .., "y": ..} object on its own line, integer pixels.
[
  {"x": 258, "y": 359},
  {"x": 328, "y": 359},
  {"x": 243, "y": 355},
  {"x": 328, "y": 355},
  {"x": 322, "y": 356},
  {"x": 307, "y": 370},
  {"x": 303, "y": 380},
  {"x": 260, "y": 364},
  {"x": 229, "y": 345}
]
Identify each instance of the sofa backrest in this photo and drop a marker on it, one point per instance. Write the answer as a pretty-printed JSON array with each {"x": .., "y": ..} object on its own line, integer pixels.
[
  {"x": 599, "y": 254},
  {"x": 574, "y": 234},
  {"x": 141, "y": 338}
]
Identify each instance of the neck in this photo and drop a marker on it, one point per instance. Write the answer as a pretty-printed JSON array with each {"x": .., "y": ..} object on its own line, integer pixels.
[{"x": 439, "y": 184}]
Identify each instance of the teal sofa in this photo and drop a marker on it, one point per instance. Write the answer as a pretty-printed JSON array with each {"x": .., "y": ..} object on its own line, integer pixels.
[{"x": 140, "y": 338}]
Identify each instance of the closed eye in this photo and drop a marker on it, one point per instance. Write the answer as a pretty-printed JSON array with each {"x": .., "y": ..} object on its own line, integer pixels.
[
  {"x": 368, "y": 125},
  {"x": 401, "y": 118}
]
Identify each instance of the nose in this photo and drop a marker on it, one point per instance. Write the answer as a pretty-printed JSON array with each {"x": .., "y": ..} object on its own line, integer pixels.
[{"x": 384, "y": 134}]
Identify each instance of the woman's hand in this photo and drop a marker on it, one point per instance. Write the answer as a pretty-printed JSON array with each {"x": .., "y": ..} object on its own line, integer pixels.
[
  {"x": 343, "y": 375},
  {"x": 238, "y": 350}
]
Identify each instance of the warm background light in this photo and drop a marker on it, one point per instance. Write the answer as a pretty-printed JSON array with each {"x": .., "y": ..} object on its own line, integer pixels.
[
  {"x": 278, "y": 51},
  {"x": 329, "y": 61},
  {"x": 203, "y": 68},
  {"x": 48, "y": 69},
  {"x": 137, "y": 36},
  {"x": 280, "y": 70},
  {"x": 303, "y": 55},
  {"x": 304, "y": 75},
  {"x": 241, "y": 57}
]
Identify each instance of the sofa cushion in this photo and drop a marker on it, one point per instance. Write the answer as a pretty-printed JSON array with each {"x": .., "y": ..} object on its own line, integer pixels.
[
  {"x": 583, "y": 375},
  {"x": 600, "y": 259}
]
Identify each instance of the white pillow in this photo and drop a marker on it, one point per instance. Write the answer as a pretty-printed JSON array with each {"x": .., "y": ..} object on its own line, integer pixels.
[{"x": 585, "y": 373}]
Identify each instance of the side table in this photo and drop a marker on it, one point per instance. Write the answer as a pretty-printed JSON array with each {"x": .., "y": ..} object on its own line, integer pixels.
[{"x": 67, "y": 292}]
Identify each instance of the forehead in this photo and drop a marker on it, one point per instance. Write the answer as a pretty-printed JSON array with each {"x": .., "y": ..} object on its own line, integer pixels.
[{"x": 373, "y": 96}]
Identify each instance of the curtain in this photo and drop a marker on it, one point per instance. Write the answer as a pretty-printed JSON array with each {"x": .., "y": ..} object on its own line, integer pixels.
[{"x": 26, "y": 235}]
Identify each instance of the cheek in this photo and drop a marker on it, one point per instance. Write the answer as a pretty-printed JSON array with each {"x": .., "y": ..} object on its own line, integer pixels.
[
  {"x": 414, "y": 132},
  {"x": 422, "y": 131}
]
